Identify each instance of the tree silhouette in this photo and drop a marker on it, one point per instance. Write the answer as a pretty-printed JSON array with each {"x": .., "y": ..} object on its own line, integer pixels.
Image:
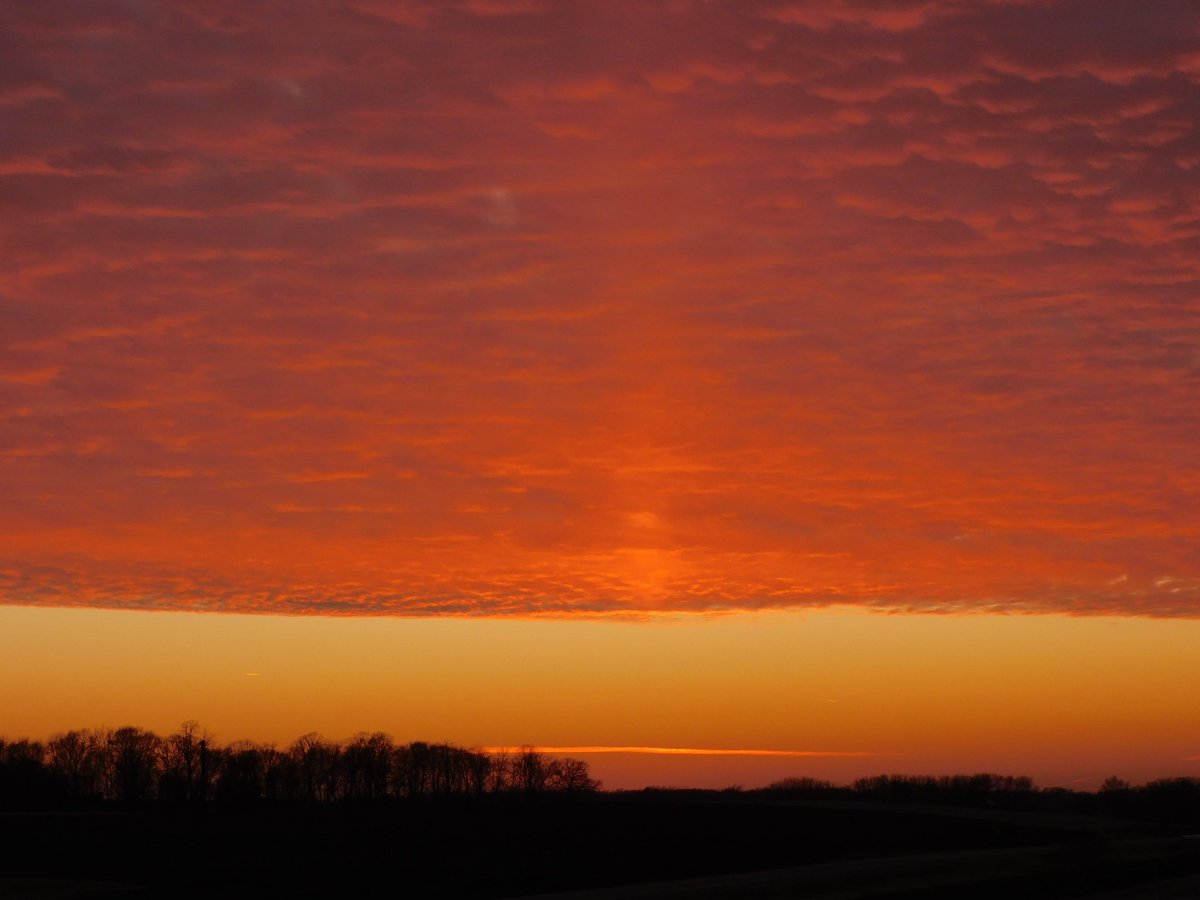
[
  {"x": 531, "y": 772},
  {"x": 78, "y": 758},
  {"x": 185, "y": 764},
  {"x": 570, "y": 775},
  {"x": 132, "y": 757},
  {"x": 131, "y": 765}
]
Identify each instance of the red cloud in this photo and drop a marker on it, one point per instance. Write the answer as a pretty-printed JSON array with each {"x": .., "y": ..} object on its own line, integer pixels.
[{"x": 512, "y": 308}]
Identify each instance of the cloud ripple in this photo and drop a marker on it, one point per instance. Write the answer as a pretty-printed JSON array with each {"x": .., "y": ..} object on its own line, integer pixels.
[{"x": 581, "y": 308}]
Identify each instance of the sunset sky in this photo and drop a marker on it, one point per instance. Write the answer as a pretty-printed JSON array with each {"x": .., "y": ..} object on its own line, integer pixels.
[{"x": 814, "y": 377}]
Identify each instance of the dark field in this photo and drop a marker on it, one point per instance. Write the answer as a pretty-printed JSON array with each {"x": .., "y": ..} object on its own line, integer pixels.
[{"x": 511, "y": 846}]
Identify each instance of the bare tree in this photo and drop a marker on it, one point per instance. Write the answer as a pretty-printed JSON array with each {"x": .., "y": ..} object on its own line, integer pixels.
[
  {"x": 243, "y": 772},
  {"x": 365, "y": 766},
  {"x": 531, "y": 771},
  {"x": 78, "y": 758},
  {"x": 570, "y": 775},
  {"x": 132, "y": 758},
  {"x": 499, "y": 772},
  {"x": 316, "y": 759},
  {"x": 185, "y": 764}
]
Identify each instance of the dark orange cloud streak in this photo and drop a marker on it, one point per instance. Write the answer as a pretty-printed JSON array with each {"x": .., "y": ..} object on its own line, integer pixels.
[{"x": 603, "y": 308}]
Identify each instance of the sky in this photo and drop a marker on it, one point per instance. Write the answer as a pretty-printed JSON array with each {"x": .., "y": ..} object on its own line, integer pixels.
[
  {"x": 832, "y": 694},
  {"x": 609, "y": 317}
]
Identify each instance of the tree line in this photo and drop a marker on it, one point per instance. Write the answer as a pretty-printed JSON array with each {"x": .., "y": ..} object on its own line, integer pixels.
[
  {"x": 1165, "y": 799},
  {"x": 135, "y": 766}
]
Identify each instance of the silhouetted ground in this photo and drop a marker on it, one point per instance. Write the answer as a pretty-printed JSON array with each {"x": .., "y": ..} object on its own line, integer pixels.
[{"x": 723, "y": 845}]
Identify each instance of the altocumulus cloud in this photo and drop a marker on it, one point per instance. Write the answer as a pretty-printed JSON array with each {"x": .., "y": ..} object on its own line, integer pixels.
[{"x": 523, "y": 308}]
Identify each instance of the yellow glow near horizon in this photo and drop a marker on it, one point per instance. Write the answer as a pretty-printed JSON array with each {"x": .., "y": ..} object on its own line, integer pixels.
[{"x": 1063, "y": 699}]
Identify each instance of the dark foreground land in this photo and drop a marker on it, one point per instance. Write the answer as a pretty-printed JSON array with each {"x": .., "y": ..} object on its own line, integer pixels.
[{"x": 602, "y": 846}]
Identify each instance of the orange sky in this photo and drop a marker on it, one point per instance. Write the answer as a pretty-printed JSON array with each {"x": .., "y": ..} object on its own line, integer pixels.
[
  {"x": 845, "y": 693},
  {"x": 512, "y": 308}
]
